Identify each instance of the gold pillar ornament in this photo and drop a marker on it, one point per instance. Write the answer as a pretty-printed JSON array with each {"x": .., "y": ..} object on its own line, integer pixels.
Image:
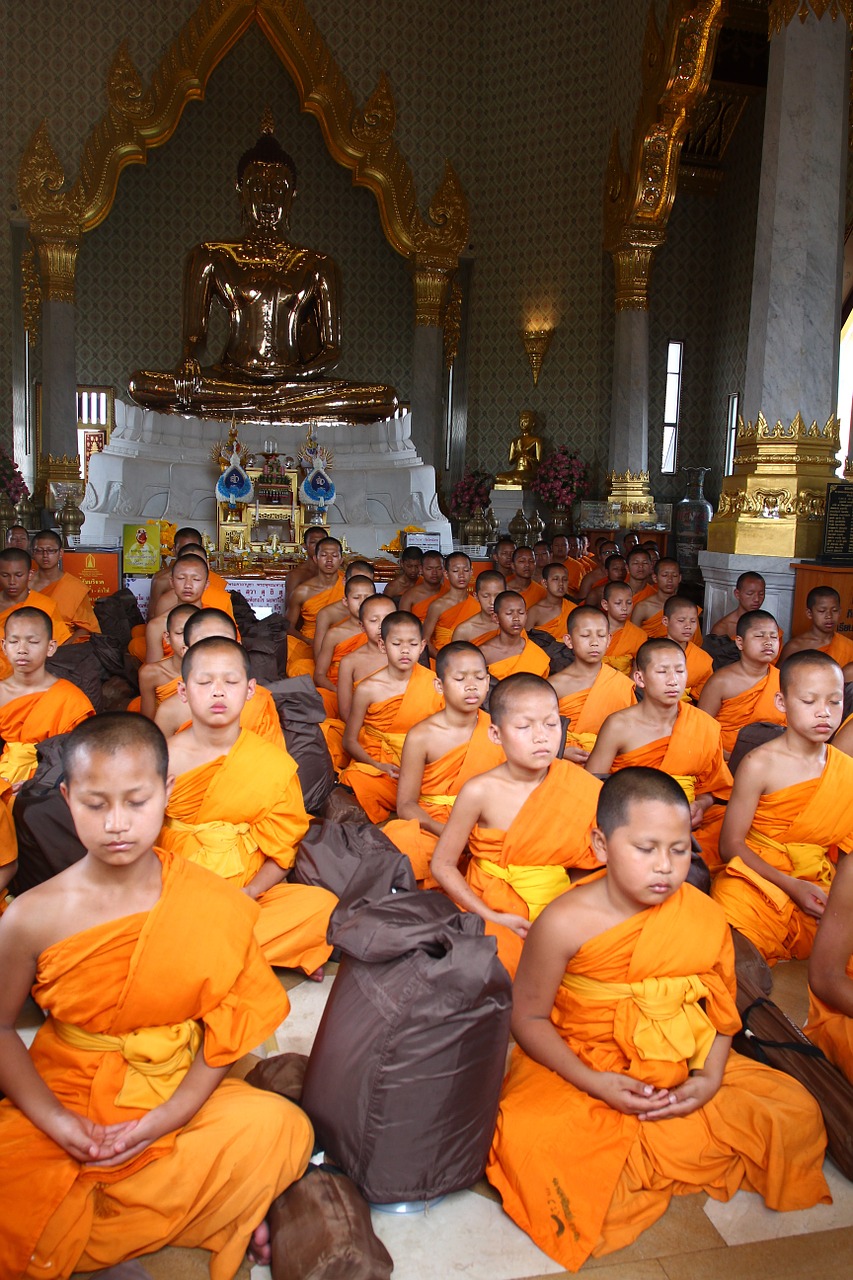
[
  {"x": 432, "y": 291},
  {"x": 783, "y": 12},
  {"x": 774, "y": 501},
  {"x": 631, "y": 492},
  {"x": 632, "y": 265},
  {"x": 71, "y": 521},
  {"x": 536, "y": 343}
]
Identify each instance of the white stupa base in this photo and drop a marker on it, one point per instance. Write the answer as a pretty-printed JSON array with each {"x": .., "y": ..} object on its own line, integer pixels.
[{"x": 158, "y": 466}]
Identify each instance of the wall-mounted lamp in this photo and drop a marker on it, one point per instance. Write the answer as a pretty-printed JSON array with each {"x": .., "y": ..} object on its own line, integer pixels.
[{"x": 536, "y": 342}]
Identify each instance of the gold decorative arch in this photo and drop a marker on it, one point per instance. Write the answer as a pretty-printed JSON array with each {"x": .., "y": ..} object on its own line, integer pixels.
[
  {"x": 138, "y": 119},
  {"x": 637, "y": 202}
]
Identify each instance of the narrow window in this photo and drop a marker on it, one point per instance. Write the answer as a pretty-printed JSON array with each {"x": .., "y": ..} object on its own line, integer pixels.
[
  {"x": 672, "y": 407},
  {"x": 733, "y": 405}
]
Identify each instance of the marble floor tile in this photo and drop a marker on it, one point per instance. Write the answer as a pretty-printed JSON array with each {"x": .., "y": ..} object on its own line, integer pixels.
[
  {"x": 684, "y": 1228},
  {"x": 307, "y": 1002},
  {"x": 824, "y": 1256},
  {"x": 465, "y": 1235},
  {"x": 746, "y": 1218}
]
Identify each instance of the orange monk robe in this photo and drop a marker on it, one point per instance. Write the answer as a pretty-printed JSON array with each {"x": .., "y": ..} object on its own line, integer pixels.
[
  {"x": 832, "y": 1031},
  {"x": 531, "y": 658},
  {"x": 421, "y": 607},
  {"x": 533, "y": 594},
  {"x": 623, "y": 646},
  {"x": 693, "y": 755},
  {"x": 643, "y": 594},
  {"x": 582, "y": 1178},
  {"x": 214, "y": 596},
  {"x": 589, "y": 708},
  {"x": 486, "y": 636},
  {"x": 557, "y": 627},
  {"x": 452, "y": 618},
  {"x": 34, "y": 600},
  {"x": 312, "y": 606},
  {"x": 31, "y": 718},
  {"x": 576, "y": 573},
  {"x": 793, "y": 830},
  {"x": 233, "y": 813},
  {"x": 189, "y": 967},
  {"x": 840, "y": 648},
  {"x": 385, "y": 727},
  {"x": 753, "y": 704},
  {"x": 442, "y": 782},
  {"x": 342, "y": 648},
  {"x": 524, "y": 868},
  {"x": 700, "y": 668},
  {"x": 72, "y": 600},
  {"x": 165, "y": 691},
  {"x": 653, "y": 626},
  {"x": 599, "y": 582}
]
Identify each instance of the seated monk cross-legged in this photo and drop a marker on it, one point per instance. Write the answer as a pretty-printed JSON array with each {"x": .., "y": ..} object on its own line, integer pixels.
[
  {"x": 681, "y": 622},
  {"x": 617, "y": 603},
  {"x": 749, "y": 592},
  {"x": 483, "y": 626},
  {"x": 340, "y": 639},
  {"x": 305, "y": 602},
  {"x": 158, "y": 681},
  {"x": 588, "y": 691},
  {"x": 433, "y": 583},
  {"x": 524, "y": 852},
  {"x": 331, "y": 614},
  {"x": 616, "y": 570},
  {"x": 823, "y": 610},
  {"x": 457, "y": 605},
  {"x": 511, "y": 650},
  {"x": 409, "y": 574},
  {"x": 66, "y": 590},
  {"x": 623, "y": 1089},
  {"x": 188, "y": 575},
  {"x": 551, "y": 614},
  {"x": 522, "y": 580},
  {"x": 16, "y": 570},
  {"x": 830, "y": 1020},
  {"x": 746, "y": 691},
  {"x": 648, "y": 613}
]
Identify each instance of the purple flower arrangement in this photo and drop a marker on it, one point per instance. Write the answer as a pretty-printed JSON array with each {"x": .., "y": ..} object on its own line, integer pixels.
[
  {"x": 471, "y": 493},
  {"x": 11, "y": 479},
  {"x": 562, "y": 477}
]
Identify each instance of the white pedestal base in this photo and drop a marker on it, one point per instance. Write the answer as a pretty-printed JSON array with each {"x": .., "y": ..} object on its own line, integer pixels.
[
  {"x": 721, "y": 571},
  {"x": 506, "y": 503},
  {"x": 158, "y": 466}
]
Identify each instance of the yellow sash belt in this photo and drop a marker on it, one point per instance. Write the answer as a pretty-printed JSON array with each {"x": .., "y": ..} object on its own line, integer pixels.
[
  {"x": 536, "y": 886},
  {"x": 225, "y": 848},
  {"x": 687, "y": 783},
  {"x": 586, "y": 741},
  {"x": 393, "y": 742},
  {"x": 671, "y": 1025},
  {"x": 442, "y": 802},
  {"x": 623, "y": 662},
  {"x": 157, "y": 1058},
  {"x": 810, "y": 861},
  {"x": 18, "y": 761}
]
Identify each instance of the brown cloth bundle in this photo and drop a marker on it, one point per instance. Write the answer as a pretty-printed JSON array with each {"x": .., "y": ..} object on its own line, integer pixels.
[
  {"x": 404, "y": 1077},
  {"x": 330, "y": 854},
  {"x": 47, "y": 839}
]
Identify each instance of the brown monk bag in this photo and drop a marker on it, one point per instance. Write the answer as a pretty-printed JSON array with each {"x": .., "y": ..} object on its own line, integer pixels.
[
  {"x": 320, "y": 1229},
  {"x": 301, "y": 712},
  {"x": 331, "y": 853},
  {"x": 47, "y": 839},
  {"x": 404, "y": 1078}
]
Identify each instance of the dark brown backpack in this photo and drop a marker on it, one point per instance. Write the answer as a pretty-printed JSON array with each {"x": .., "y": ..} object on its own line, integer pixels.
[
  {"x": 47, "y": 839},
  {"x": 404, "y": 1078}
]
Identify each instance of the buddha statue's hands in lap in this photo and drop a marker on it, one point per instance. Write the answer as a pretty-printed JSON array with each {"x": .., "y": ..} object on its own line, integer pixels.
[{"x": 282, "y": 303}]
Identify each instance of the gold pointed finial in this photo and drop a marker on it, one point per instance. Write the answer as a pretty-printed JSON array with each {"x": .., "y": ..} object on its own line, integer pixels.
[{"x": 267, "y": 122}]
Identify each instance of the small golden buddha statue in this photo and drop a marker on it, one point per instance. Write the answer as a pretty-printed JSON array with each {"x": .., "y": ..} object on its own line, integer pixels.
[
  {"x": 525, "y": 452},
  {"x": 282, "y": 303}
]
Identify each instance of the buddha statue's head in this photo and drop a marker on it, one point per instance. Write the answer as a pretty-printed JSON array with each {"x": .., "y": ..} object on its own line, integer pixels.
[
  {"x": 527, "y": 422},
  {"x": 266, "y": 181}
]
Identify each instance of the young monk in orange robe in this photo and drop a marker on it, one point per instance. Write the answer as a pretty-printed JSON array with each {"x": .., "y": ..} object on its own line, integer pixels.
[
  {"x": 665, "y": 732},
  {"x": 456, "y": 606},
  {"x": 623, "y": 1089},
  {"x": 747, "y": 691},
  {"x": 237, "y": 808},
  {"x": 307, "y": 600},
  {"x": 433, "y": 583},
  {"x": 385, "y": 706},
  {"x": 512, "y": 651},
  {"x": 408, "y": 575},
  {"x": 789, "y": 806},
  {"x": 523, "y": 851},
  {"x": 522, "y": 580},
  {"x": 159, "y": 680},
  {"x": 34, "y": 705},
  {"x": 681, "y": 622},
  {"x": 648, "y": 613},
  {"x": 483, "y": 626},
  {"x": 440, "y": 754},
  {"x": 331, "y": 614},
  {"x": 67, "y": 591},
  {"x": 119, "y": 1131},
  {"x": 259, "y": 715},
  {"x": 625, "y": 639},
  {"x": 552, "y": 613},
  {"x": 588, "y": 691},
  {"x": 342, "y": 638},
  {"x": 617, "y": 571},
  {"x": 16, "y": 567},
  {"x": 823, "y": 610},
  {"x": 640, "y": 574},
  {"x": 830, "y": 1020}
]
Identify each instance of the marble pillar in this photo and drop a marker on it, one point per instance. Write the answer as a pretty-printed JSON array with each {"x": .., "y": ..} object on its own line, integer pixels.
[
  {"x": 428, "y": 377},
  {"x": 58, "y": 380},
  {"x": 629, "y": 413},
  {"x": 792, "y": 356}
]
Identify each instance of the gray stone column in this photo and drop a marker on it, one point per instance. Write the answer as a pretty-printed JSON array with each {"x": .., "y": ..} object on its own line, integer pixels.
[
  {"x": 57, "y": 255},
  {"x": 629, "y": 411},
  {"x": 428, "y": 376},
  {"x": 792, "y": 356}
]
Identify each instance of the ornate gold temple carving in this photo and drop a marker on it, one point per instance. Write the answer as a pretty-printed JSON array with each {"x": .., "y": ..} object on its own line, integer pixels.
[
  {"x": 452, "y": 324},
  {"x": 638, "y": 200},
  {"x": 782, "y": 12},
  {"x": 631, "y": 491},
  {"x": 773, "y": 502},
  {"x": 138, "y": 119},
  {"x": 30, "y": 295}
]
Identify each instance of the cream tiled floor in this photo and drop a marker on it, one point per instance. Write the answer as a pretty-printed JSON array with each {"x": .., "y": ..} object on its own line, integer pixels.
[{"x": 468, "y": 1235}]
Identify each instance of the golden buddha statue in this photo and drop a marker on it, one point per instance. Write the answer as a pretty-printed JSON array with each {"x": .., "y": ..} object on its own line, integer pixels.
[
  {"x": 282, "y": 303},
  {"x": 525, "y": 452}
]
